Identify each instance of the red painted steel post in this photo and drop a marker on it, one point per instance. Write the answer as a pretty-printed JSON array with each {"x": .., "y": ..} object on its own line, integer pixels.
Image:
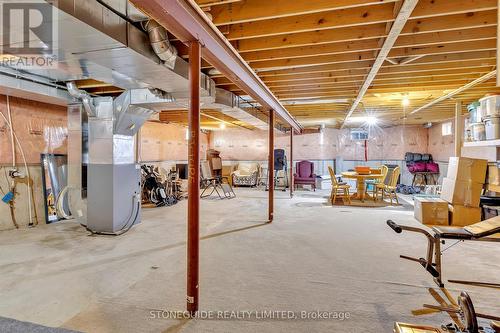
[
  {"x": 270, "y": 168},
  {"x": 291, "y": 162},
  {"x": 193, "y": 223}
]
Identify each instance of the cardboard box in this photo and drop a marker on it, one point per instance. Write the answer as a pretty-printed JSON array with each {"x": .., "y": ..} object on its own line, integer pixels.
[
  {"x": 464, "y": 193},
  {"x": 461, "y": 216},
  {"x": 431, "y": 211},
  {"x": 467, "y": 169},
  {"x": 493, "y": 175}
]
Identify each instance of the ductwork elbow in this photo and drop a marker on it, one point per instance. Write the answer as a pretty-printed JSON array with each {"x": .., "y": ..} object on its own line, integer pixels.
[
  {"x": 87, "y": 102},
  {"x": 161, "y": 44}
]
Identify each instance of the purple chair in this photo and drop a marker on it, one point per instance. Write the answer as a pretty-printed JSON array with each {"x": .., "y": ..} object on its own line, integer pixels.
[{"x": 304, "y": 174}]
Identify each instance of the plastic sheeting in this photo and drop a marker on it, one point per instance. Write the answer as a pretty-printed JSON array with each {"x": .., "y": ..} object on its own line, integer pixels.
[
  {"x": 383, "y": 144},
  {"x": 41, "y": 128}
]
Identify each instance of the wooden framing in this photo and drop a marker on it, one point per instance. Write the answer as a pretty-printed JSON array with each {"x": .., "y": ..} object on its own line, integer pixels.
[{"x": 325, "y": 49}]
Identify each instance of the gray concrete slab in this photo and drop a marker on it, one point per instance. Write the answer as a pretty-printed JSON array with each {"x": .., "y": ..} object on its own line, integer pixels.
[
  {"x": 314, "y": 257},
  {"x": 8, "y": 325}
]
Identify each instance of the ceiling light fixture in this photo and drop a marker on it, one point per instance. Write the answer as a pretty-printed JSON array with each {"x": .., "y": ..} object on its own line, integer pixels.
[
  {"x": 370, "y": 120},
  {"x": 405, "y": 101}
]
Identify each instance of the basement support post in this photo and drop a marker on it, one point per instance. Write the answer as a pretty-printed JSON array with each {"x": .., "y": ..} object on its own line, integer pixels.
[
  {"x": 193, "y": 222},
  {"x": 498, "y": 43},
  {"x": 270, "y": 168},
  {"x": 291, "y": 163},
  {"x": 458, "y": 128}
]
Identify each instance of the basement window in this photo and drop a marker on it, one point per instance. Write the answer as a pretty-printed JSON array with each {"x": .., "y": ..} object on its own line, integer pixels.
[
  {"x": 446, "y": 129},
  {"x": 359, "y": 134}
]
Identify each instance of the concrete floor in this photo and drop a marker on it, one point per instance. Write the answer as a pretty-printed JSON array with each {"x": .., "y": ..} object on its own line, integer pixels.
[{"x": 314, "y": 257}]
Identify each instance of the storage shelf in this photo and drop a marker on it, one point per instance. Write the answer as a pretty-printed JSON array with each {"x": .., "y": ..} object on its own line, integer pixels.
[{"x": 488, "y": 143}]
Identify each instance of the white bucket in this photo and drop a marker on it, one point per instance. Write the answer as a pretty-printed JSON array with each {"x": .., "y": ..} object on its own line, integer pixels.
[
  {"x": 492, "y": 127},
  {"x": 490, "y": 106},
  {"x": 478, "y": 132}
]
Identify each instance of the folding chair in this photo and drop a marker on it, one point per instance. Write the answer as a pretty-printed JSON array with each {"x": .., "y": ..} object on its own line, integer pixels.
[{"x": 217, "y": 184}]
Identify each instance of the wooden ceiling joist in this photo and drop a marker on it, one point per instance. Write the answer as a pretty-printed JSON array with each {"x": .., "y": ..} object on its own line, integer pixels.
[
  {"x": 379, "y": 78},
  {"x": 410, "y": 41},
  {"x": 210, "y": 3},
  {"x": 435, "y": 60},
  {"x": 395, "y": 71},
  {"x": 457, "y": 91},
  {"x": 307, "y": 61},
  {"x": 249, "y": 11},
  {"x": 333, "y": 50},
  {"x": 354, "y": 17},
  {"x": 369, "y": 31},
  {"x": 435, "y": 90}
]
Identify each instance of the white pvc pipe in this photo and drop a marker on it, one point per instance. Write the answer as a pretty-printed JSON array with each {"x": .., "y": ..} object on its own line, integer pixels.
[
  {"x": 12, "y": 146},
  {"x": 14, "y": 136}
]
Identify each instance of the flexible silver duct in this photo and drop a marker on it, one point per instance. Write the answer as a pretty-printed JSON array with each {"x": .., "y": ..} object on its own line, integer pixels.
[
  {"x": 87, "y": 102},
  {"x": 160, "y": 43}
]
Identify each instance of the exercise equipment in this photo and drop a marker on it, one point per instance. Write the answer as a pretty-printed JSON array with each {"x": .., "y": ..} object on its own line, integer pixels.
[
  {"x": 154, "y": 190},
  {"x": 462, "y": 313},
  {"x": 488, "y": 230}
]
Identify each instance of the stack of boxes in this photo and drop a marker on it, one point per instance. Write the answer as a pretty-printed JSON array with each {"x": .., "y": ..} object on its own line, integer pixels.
[
  {"x": 462, "y": 189},
  {"x": 460, "y": 195}
]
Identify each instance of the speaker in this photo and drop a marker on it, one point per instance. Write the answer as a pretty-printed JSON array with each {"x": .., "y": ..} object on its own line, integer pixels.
[{"x": 279, "y": 159}]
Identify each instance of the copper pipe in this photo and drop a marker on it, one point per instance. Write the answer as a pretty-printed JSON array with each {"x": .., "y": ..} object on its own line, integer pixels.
[
  {"x": 270, "y": 172},
  {"x": 291, "y": 162},
  {"x": 193, "y": 227}
]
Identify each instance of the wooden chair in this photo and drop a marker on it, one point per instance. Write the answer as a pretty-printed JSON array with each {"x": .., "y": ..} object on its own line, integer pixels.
[
  {"x": 390, "y": 188},
  {"x": 384, "y": 170},
  {"x": 341, "y": 189}
]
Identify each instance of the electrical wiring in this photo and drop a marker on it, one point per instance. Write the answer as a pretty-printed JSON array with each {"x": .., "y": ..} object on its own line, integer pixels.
[{"x": 129, "y": 223}]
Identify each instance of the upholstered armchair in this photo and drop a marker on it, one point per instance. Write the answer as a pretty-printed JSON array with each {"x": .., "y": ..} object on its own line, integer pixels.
[
  {"x": 246, "y": 174},
  {"x": 304, "y": 174}
]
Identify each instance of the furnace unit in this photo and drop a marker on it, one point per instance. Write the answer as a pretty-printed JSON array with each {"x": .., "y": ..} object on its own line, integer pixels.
[{"x": 104, "y": 177}]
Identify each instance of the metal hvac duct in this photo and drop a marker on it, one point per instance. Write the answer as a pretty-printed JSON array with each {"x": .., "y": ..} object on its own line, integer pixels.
[
  {"x": 103, "y": 42},
  {"x": 230, "y": 104},
  {"x": 104, "y": 179},
  {"x": 100, "y": 42},
  {"x": 87, "y": 102},
  {"x": 159, "y": 42}
]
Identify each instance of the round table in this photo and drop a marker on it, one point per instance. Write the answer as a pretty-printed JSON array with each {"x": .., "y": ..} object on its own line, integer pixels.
[{"x": 361, "y": 183}]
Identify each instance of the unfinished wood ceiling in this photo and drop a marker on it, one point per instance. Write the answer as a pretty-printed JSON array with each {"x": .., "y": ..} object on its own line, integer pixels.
[
  {"x": 322, "y": 50},
  {"x": 209, "y": 119}
]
